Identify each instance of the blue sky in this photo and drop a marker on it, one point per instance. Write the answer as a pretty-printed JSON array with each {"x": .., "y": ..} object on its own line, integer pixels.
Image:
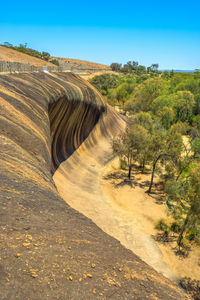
[{"x": 164, "y": 32}]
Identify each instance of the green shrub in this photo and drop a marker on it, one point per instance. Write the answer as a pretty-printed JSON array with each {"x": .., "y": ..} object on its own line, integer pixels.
[
  {"x": 123, "y": 164},
  {"x": 193, "y": 234},
  {"x": 55, "y": 62},
  {"x": 162, "y": 225},
  {"x": 175, "y": 227}
]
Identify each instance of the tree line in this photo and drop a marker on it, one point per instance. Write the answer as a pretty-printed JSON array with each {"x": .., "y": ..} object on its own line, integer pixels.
[
  {"x": 134, "y": 67},
  {"x": 163, "y": 136}
]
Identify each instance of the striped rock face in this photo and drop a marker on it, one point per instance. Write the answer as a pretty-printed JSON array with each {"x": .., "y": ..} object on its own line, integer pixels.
[{"x": 49, "y": 250}]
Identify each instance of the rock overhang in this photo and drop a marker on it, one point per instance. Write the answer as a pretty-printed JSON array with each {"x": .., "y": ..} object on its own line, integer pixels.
[{"x": 39, "y": 230}]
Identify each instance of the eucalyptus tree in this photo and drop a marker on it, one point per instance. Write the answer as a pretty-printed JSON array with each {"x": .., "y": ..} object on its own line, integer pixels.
[{"x": 184, "y": 194}]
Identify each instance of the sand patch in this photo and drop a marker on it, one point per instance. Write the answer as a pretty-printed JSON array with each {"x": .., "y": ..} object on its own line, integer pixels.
[{"x": 146, "y": 210}]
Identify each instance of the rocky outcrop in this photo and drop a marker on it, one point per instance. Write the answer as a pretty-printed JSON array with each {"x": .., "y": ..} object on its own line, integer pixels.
[
  {"x": 70, "y": 124},
  {"x": 49, "y": 250}
]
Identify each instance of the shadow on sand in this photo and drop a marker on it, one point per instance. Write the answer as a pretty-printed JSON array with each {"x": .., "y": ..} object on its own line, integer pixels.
[{"x": 119, "y": 179}]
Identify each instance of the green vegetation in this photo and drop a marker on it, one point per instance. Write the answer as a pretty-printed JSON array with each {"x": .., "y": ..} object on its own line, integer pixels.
[
  {"x": 163, "y": 136},
  {"x": 185, "y": 195},
  {"x": 54, "y": 61},
  {"x": 117, "y": 88},
  {"x": 23, "y": 48},
  {"x": 134, "y": 67},
  {"x": 105, "y": 82}
]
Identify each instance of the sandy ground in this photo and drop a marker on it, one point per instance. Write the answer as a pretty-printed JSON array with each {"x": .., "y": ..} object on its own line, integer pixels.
[
  {"x": 146, "y": 210},
  {"x": 84, "y": 189}
]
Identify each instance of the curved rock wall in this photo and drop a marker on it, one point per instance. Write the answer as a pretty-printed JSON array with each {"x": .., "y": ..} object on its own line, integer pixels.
[
  {"x": 79, "y": 182},
  {"x": 70, "y": 124},
  {"x": 49, "y": 250}
]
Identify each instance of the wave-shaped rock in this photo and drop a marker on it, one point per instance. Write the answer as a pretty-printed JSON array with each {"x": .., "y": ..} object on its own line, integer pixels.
[{"x": 49, "y": 250}]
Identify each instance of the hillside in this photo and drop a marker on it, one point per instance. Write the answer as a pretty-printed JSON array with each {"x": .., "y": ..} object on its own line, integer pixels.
[
  {"x": 11, "y": 55},
  {"x": 81, "y": 64},
  {"x": 7, "y": 54}
]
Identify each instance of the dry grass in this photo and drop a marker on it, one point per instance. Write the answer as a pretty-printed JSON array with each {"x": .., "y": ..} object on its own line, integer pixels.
[
  {"x": 87, "y": 64},
  {"x": 7, "y": 54}
]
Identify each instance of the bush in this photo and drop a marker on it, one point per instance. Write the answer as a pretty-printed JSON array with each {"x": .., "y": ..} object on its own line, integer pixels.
[
  {"x": 193, "y": 234},
  {"x": 55, "y": 62},
  {"x": 175, "y": 227},
  {"x": 105, "y": 82},
  {"x": 123, "y": 164},
  {"x": 162, "y": 225}
]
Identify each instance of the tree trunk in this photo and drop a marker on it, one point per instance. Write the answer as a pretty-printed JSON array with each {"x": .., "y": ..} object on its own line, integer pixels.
[
  {"x": 178, "y": 176},
  {"x": 152, "y": 174},
  {"x": 129, "y": 171},
  {"x": 183, "y": 230},
  {"x": 143, "y": 166}
]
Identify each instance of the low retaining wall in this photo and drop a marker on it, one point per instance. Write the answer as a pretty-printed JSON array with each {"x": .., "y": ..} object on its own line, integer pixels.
[{"x": 9, "y": 67}]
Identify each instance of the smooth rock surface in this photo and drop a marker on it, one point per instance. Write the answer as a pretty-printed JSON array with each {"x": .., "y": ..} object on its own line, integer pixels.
[{"x": 47, "y": 249}]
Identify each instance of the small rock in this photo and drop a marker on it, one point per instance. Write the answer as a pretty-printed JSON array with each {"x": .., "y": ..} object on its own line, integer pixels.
[{"x": 26, "y": 244}]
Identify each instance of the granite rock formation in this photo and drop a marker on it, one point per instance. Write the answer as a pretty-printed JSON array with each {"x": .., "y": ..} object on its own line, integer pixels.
[{"x": 48, "y": 250}]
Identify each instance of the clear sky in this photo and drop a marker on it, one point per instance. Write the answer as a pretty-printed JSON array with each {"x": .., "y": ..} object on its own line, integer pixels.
[{"x": 149, "y": 31}]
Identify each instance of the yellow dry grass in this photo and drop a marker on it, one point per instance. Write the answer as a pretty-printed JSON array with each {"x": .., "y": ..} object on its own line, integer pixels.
[{"x": 7, "y": 54}]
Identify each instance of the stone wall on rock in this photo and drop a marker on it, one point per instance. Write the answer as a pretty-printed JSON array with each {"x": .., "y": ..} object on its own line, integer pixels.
[{"x": 10, "y": 67}]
